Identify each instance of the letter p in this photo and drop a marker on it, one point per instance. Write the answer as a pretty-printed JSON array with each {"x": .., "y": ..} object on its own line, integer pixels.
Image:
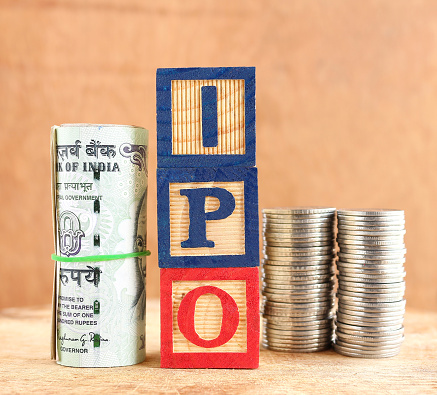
[{"x": 198, "y": 216}]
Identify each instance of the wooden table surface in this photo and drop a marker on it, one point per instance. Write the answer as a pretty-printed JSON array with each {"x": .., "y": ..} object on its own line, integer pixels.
[{"x": 25, "y": 365}]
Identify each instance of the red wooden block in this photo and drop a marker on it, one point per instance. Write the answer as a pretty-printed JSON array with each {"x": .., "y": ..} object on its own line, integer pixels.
[{"x": 210, "y": 318}]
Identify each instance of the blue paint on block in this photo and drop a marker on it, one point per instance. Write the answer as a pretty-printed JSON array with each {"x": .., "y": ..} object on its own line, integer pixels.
[
  {"x": 209, "y": 116},
  {"x": 164, "y": 116},
  {"x": 248, "y": 175},
  {"x": 198, "y": 216}
]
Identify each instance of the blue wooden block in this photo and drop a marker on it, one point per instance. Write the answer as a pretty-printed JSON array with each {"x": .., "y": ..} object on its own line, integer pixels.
[
  {"x": 206, "y": 117},
  {"x": 208, "y": 217}
]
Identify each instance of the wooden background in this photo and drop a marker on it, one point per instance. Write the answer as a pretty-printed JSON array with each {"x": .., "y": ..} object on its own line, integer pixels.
[{"x": 346, "y": 108}]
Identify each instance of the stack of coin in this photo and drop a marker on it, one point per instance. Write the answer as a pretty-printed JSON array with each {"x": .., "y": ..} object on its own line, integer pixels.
[
  {"x": 371, "y": 284},
  {"x": 298, "y": 278}
]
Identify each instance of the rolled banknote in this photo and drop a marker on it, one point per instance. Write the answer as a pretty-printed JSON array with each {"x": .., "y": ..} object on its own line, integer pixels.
[{"x": 99, "y": 185}]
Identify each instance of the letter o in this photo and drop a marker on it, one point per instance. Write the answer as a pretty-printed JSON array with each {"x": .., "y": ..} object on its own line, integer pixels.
[{"x": 230, "y": 317}]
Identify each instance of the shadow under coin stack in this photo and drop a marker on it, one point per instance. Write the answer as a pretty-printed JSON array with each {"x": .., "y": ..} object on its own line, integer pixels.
[
  {"x": 371, "y": 302},
  {"x": 298, "y": 278}
]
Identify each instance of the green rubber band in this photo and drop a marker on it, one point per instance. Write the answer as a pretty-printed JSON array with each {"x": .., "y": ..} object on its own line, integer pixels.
[{"x": 99, "y": 258}]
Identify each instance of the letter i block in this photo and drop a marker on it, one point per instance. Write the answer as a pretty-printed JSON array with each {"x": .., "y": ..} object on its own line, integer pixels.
[
  {"x": 206, "y": 117},
  {"x": 208, "y": 217},
  {"x": 210, "y": 318}
]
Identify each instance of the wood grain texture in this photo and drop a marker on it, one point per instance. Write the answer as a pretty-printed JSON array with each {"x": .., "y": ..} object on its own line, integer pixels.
[
  {"x": 187, "y": 117},
  {"x": 228, "y": 234},
  {"x": 346, "y": 103},
  {"x": 25, "y": 365}
]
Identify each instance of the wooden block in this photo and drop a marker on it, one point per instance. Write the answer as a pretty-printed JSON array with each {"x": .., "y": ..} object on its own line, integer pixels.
[
  {"x": 210, "y": 318},
  {"x": 208, "y": 217},
  {"x": 206, "y": 117}
]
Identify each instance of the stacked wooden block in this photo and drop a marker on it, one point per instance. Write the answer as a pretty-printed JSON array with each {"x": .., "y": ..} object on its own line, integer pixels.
[{"x": 208, "y": 230}]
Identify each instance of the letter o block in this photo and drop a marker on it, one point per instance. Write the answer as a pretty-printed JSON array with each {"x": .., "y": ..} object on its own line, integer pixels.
[{"x": 210, "y": 318}]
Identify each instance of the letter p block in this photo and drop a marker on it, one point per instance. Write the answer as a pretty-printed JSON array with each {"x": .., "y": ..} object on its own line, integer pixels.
[
  {"x": 208, "y": 217},
  {"x": 210, "y": 318}
]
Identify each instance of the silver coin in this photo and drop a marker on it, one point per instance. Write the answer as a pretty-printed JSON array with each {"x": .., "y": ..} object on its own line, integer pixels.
[
  {"x": 377, "y": 212},
  {"x": 371, "y": 293},
  {"x": 328, "y": 305},
  {"x": 360, "y": 354},
  {"x": 298, "y": 346},
  {"x": 300, "y": 260},
  {"x": 387, "y": 243},
  {"x": 301, "y": 274},
  {"x": 371, "y": 268},
  {"x": 298, "y": 333},
  {"x": 290, "y": 347},
  {"x": 370, "y": 339},
  {"x": 298, "y": 307},
  {"x": 313, "y": 324},
  {"x": 367, "y": 328},
  {"x": 299, "y": 221},
  {"x": 372, "y": 236},
  {"x": 378, "y": 255},
  {"x": 365, "y": 321},
  {"x": 287, "y": 328},
  {"x": 297, "y": 298},
  {"x": 293, "y": 350},
  {"x": 301, "y": 243},
  {"x": 298, "y": 322},
  {"x": 367, "y": 341},
  {"x": 373, "y": 306},
  {"x": 313, "y": 286},
  {"x": 368, "y": 347},
  {"x": 328, "y": 296},
  {"x": 294, "y": 242},
  {"x": 283, "y": 265},
  {"x": 377, "y": 333},
  {"x": 356, "y": 296},
  {"x": 304, "y": 278},
  {"x": 347, "y": 258},
  {"x": 298, "y": 275},
  {"x": 298, "y": 252},
  {"x": 300, "y": 210},
  {"x": 375, "y": 223},
  {"x": 371, "y": 276},
  {"x": 289, "y": 244},
  {"x": 301, "y": 341},
  {"x": 304, "y": 343},
  {"x": 274, "y": 293},
  {"x": 370, "y": 287},
  {"x": 290, "y": 285},
  {"x": 305, "y": 287},
  {"x": 371, "y": 230},
  {"x": 291, "y": 229},
  {"x": 369, "y": 247},
  {"x": 371, "y": 315},
  {"x": 385, "y": 289},
  {"x": 294, "y": 282},
  {"x": 316, "y": 312},
  {"x": 382, "y": 235},
  {"x": 300, "y": 318},
  {"x": 369, "y": 271},
  {"x": 364, "y": 279}
]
